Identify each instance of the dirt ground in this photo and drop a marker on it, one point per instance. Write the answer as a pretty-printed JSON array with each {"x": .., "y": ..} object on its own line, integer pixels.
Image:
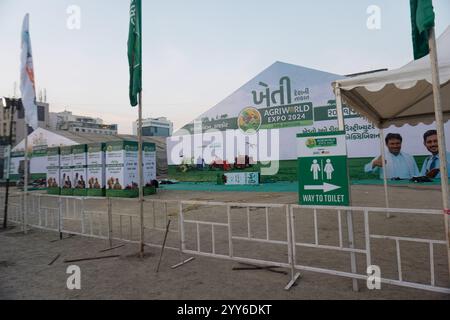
[{"x": 25, "y": 272}]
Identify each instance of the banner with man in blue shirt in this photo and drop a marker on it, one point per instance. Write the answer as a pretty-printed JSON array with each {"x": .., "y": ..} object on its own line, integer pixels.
[
  {"x": 399, "y": 165},
  {"x": 431, "y": 165}
]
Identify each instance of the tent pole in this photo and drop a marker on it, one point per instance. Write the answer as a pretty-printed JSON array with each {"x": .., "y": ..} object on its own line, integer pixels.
[
  {"x": 441, "y": 136},
  {"x": 383, "y": 160},
  {"x": 141, "y": 178},
  {"x": 351, "y": 238},
  {"x": 339, "y": 110},
  {"x": 25, "y": 180}
]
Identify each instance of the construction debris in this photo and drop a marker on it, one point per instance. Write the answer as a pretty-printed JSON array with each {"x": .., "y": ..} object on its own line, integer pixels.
[
  {"x": 91, "y": 258},
  {"x": 54, "y": 259},
  {"x": 112, "y": 248}
]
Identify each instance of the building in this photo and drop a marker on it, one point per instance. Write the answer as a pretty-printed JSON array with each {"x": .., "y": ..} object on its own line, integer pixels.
[
  {"x": 18, "y": 125},
  {"x": 66, "y": 121},
  {"x": 18, "y": 131},
  {"x": 155, "y": 127}
]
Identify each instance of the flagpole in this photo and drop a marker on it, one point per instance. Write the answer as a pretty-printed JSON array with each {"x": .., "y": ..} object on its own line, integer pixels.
[
  {"x": 8, "y": 165},
  {"x": 441, "y": 136},
  {"x": 135, "y": 65},
  {"x": 25, "y": 180},
  {"x": 141, "y": 176},
  {"x": 27, "y": 87}
]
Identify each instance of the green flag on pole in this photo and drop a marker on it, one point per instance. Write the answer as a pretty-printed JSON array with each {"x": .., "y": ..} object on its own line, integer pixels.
[
  {"x": 135, "y": 51},
  {"x": 422, "y": 20}
]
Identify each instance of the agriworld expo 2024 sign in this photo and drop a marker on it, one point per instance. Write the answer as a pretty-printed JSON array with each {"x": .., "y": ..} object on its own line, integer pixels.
[{"x": 279, "y": 108}]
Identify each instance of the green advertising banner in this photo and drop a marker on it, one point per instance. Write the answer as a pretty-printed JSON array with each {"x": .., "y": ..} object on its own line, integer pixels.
[
  {"x": 322, "y": 169},
  {"x": 252, "y": 120},
  {"x": 53, "y": 171},
  {"x": 261, "y": 119}
]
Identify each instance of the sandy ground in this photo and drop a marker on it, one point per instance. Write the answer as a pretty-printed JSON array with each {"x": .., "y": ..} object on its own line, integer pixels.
[{"x": 24, "y": 259}]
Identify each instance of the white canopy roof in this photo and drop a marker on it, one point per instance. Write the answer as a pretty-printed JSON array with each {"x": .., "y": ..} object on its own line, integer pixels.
[{"x": 401, "y": 96}]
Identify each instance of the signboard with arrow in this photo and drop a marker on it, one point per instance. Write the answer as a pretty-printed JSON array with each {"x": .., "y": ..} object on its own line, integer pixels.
[{"x": 322, "y": 169}]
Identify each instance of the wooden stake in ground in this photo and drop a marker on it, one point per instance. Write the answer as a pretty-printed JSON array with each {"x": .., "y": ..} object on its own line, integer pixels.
[
  {"x": 54, "y": 259},
  {"x": 164, "y": 245}
]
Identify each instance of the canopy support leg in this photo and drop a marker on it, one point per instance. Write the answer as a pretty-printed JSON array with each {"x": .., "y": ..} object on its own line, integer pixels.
[
  {"x": 383, "y": 160},
  {"x": 351, "y": 240},
  {"x": 441, "y": 137}
]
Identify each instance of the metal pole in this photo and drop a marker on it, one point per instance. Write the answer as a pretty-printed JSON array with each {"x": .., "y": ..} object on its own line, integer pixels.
[
  {"x": 60, "y": 220},
  {"x": 351, "y": 240},
  {"x": 110, "y": 223},
  {"x": 11, "y": 118},
  {"x": 441, "y": 137},
  {"x": 339, "y": 110},
  {"x": 383, "y": 160},
  {"x": 25, "y": 179},
  {"x": 141, "y": 176}
]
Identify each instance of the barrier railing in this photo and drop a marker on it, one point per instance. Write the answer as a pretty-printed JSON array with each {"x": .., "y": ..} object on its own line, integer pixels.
[
  {"x": 367, "y": 239},
  {"x": 197, "y": 228},
  {"x": 246, "y": 237}
]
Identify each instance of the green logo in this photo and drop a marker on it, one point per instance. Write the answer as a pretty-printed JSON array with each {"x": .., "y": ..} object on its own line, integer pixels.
[
  {"x": 311, "y": 143},
  {"x": 249, "y": 120},
  {"x": 321, "y": 142}
]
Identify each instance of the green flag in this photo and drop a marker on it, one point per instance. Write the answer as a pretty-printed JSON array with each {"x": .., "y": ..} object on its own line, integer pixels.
[
  {"x": 422, "y": 20},
  {"x": 135, "y": 50}
]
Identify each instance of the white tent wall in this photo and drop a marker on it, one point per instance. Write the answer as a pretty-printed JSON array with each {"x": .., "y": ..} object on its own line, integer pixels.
[
  {"x": 281, "y": 82},
  {"x": 41, "y": 137},
  {"x": 301, "y": 78},
  {"x": 38, "y": 139}
]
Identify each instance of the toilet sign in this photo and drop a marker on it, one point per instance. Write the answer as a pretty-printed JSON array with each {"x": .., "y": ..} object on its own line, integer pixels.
[{"x": 322, "y": 169}]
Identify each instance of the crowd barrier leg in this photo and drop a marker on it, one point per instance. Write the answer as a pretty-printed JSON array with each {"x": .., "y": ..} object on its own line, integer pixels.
[
  {"x": 182, "y": 239},
  {"x": 60, "y": 218},
  {"x": 110, "y": 223},
  {"x": 351, "y": 244},
  {"x": 291, "y": 248}
]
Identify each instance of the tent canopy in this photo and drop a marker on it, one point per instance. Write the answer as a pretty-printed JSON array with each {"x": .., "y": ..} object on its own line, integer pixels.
[{"x": 401, "y": 96}]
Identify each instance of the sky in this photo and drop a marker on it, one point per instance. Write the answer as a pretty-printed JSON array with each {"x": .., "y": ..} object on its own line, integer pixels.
[{"x": 195, "y": 52}]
